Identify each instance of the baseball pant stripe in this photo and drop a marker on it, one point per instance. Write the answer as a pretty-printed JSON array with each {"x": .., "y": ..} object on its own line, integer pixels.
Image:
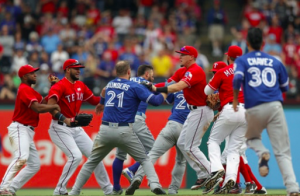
[
  {"x": 71, "y": 162},
  {"x": 194, "y": 139},
  {"x": 214, "y": 125},
  {"x": 17, "y": 158}
]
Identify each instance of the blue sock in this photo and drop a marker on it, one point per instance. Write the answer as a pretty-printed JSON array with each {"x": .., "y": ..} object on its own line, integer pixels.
[
  {"x": 134, "y": 167},
  {"x": 117, "y": 172}
]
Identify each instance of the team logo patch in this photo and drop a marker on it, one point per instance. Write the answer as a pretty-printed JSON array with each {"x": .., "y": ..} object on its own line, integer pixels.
[
  {"x": 188, "y": 75},
  {"x": 79, "y": 89}
]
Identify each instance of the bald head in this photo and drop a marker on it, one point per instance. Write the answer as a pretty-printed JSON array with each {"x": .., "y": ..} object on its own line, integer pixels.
[{"x": 122, "y": 68}]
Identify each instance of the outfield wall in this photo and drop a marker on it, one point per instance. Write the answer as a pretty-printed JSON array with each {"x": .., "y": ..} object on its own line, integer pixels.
[{"x": 52, "y": 158}]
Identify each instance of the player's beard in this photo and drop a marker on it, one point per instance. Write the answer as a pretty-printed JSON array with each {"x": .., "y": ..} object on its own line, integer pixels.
[
  {"x": 30, "y": 81},
  {"x": 227, "y": 62},
  {"x": 73, "y": 77},
  {"x": 181, "y": 65}
]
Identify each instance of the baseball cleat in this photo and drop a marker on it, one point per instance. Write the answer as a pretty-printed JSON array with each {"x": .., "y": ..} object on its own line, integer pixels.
[
  {"x": 172, "y": 192},
  {"x": 115, "y": 192},
  {"x": 262, "y": 191},
  {"x": 263, "y": 164},
  {"x": 217, "y": 190},
  {"x": 294, "y": 194},
  {"x": 6, "y": 193},
  {"x": 158, "y": 191},
  {"x": 135, "y": 184},
  {"x": 250, "y": 188},
  {"x": 199, "y": 183},
  {"x": 128, "y": 174},
  {"x": 214, "y": 180},
  {"x": 227, "y": 187},
  {"x": 237, "y": 189}
]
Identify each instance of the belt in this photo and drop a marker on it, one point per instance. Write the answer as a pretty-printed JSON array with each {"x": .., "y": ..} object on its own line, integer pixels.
[
  {"x": 140, "y": 113},
  {"x": 193, "y": 107},
  {"x": 29, "y": 126},
  {"x": 118, "y": 124},
  {"x": 241, "y": 104},
  {"x": 60, "y": 122}
]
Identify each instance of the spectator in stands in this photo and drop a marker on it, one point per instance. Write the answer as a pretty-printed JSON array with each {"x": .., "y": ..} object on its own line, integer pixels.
[
  {"x": 255, "y": 15},
  {"x": 5, "y": 92},
  {"x": 50, "y": 41},
  {"x": 289, "y": 32},
  {"x": 68, "y": 36},
  {"x": 276, "y": 29},
  {"x": 58, "y": 58},
  {"x": 106, "y": 70},
  {"x": 188, "y": 37},
  {"x": 122, "y": 23},
  {"x": 33, "y": 45},
  {"x": 202, "y": 61},
  {"x": 281, "y": 9},
  {"x": 238, "y": 40},
  {"x": 34, "y": 59},
  {"x": 216, "y": 20},
  {"x": 7, "y": 41},
  {"x": 273, "y": 48},
  {"x": 27, "y": 21},
  {"x": 18, "y": 60},
  {"x": 44, "y": 58},
  {"x": 80, "y": 54},
  {"x": 8, "y": 21},
  {"x": 128, "y": 55},
  {"x": 162, "y": 65},
  {"x": 19, "y": 43},
  {"x": 43, "y": 85},
  {"x": 289, "y": 50}
]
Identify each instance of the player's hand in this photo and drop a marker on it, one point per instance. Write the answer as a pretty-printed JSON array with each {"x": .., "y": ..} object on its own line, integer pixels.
[
  {"x": 216, "y": 116},
  {"x": 103, "y": 92},
  {"x": 235, "y": 105},
  {"x": 57, "y": 107},
  {"x": 99, "y": 109},
  {"x": 153, "y": 88}
]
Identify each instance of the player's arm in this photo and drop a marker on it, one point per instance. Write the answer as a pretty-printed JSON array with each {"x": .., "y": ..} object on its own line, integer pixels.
[
  {"x": 100, "y": 107},
  {"x": 213, "y": 84},
  {"x": 172, "y": 88},
  {"x": 283, "y": 79},
  {"x": 43, "y": 108},
  {"x": 56, "y": 113},
  {"x": 237, "y": 82},
  {"x": 145, "y": 95}
]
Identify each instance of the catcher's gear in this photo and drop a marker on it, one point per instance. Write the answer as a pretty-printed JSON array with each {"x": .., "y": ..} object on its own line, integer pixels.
[
  {"x": 81, "y": 120},
  {"x": 53, "y": 79},
  {"x": 213, "y": 101},
  {"x": 147, "y": 84}
]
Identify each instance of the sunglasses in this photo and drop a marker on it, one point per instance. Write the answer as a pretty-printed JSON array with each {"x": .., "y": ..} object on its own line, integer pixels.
[
  {"x": 77, "y": 63},
  {"x": 184, "y": 50}
]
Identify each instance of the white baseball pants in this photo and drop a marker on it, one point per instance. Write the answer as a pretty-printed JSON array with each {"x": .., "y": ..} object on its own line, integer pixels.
[
  {"x": 190, "y": 137},
  {"x": 74, "y": 142},
  {"x": 25, "y": 153},
  {"x": 232, "y": 124}
]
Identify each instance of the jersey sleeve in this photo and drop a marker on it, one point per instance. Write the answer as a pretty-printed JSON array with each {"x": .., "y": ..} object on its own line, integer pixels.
[
  {"x": 176, "y": 77},
  {"x": 170, "y": 98},
  {"x": 55, "y": 91},
  {"x": 283, "y": 77},
  {"x": 216, "y": 81},
  {"x": 239, "y": 67},
  {"x": 192, "y": 78},
  {"x": 143, "y": 93},
  {"x": 28, "y": 97},
  {"x": 87, "y": 93}
]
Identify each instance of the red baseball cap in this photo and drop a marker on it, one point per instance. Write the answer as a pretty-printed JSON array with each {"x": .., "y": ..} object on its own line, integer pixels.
[
  {"x": 25, "y": 69},
  {"x": 218, "y": 65},
  {"x": 72, "y": 63},
  {"x": 188, "y": 50},
  {"x": 234, "y": 51}
]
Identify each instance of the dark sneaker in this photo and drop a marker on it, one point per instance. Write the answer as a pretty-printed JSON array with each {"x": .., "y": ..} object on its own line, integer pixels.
[
  {"x": 227, "y": 187},
  {"x": 237, "y": 189},
  {"x": 135, "y": 184},
  {"x": 199, "y": 183},
  {"x": 263, "y": 164},
  {"x": 294, "y": 194},
  {"x": 214, "y": 180},
  {"x": 115, "y": 192},
  {"x": 159, "y": 191},
  {"x": 262, "y": 191},
  {"x": 249, "y": 188},
  {"x": 217, "y": 190},
  {"x": 6, "y": 193}
]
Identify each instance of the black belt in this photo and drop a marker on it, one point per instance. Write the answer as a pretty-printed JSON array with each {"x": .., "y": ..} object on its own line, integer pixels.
[
  {"x": 119, "y": 124},
  {"x": 230, "y": 103},
  {"x": 60, "y": 122},
  {"x": 192, "y": 107},
  {"x": 29, "y": 126}
]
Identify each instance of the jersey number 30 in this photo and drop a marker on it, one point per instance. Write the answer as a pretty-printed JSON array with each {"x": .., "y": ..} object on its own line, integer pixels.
[
  {"x": 120, "y": 96},
  {"x": 259, "y": 77}
]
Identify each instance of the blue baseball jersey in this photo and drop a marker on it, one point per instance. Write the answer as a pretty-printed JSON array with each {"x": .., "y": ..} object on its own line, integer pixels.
[
  {"x": 263, "y": 78},
  {"x": 122, "y": 99},
  {"x": 180, "y": 110},
  {"x": 143, "y": 105}
]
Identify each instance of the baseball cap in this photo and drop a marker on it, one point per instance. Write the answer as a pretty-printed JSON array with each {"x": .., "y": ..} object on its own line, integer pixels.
[
  {"x": 188, "y": 50},
  {"x": 234, "y": 51},
  {"x": 72, "y": 63},
  {"x": 25, "y": 69},
  {"x": 218, "y": 65}
]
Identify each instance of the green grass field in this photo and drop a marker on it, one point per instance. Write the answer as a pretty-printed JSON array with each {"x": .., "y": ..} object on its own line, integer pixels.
[{"x": 98, "y": 192}]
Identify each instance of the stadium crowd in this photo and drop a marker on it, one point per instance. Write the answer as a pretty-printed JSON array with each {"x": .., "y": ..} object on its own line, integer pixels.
[{"x": 44, "y": 33}]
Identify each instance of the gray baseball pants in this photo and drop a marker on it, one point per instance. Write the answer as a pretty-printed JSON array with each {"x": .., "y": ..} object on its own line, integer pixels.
[
  {"x": 109, "y": 137},
  {"x": 166, "y": 139},
  {"x": 271, "y": 116}
]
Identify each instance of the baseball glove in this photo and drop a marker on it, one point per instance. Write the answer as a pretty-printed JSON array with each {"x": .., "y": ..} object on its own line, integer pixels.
[
  {"x": 147, "y": 84},
  {"x": 81, "y": 120},
  {"x": 213, "y": 101},
  {"x": 53, "y": 79}
]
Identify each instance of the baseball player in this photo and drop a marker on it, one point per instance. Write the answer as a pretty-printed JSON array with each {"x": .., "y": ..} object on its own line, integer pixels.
[
  {"x": 166, "y": 139},
  {"x": 145, "y": 73},
  {"x": 229, "y": 123},
  {"x": 264, "y": 77},
  {"x": 123, "y": 98},
  {"x": 69, "y": 93},
  {"x": 28, "y": 105},
  {"x": 192, "y": 80}
]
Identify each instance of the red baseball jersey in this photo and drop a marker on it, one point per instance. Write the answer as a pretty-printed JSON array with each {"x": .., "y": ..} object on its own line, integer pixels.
[
  {"x": 222, "y": 81},
  {"x": 195, "y": 77},
  {"x": 70, "y": 96},
  {"x": 23, "y": 113}
]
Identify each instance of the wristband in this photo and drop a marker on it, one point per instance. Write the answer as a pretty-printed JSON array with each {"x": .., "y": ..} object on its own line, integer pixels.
[
  {"x": 162, "y": 89},
  {"x": 102, "y": 100},
  {"x": 60, "y": 116}
]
